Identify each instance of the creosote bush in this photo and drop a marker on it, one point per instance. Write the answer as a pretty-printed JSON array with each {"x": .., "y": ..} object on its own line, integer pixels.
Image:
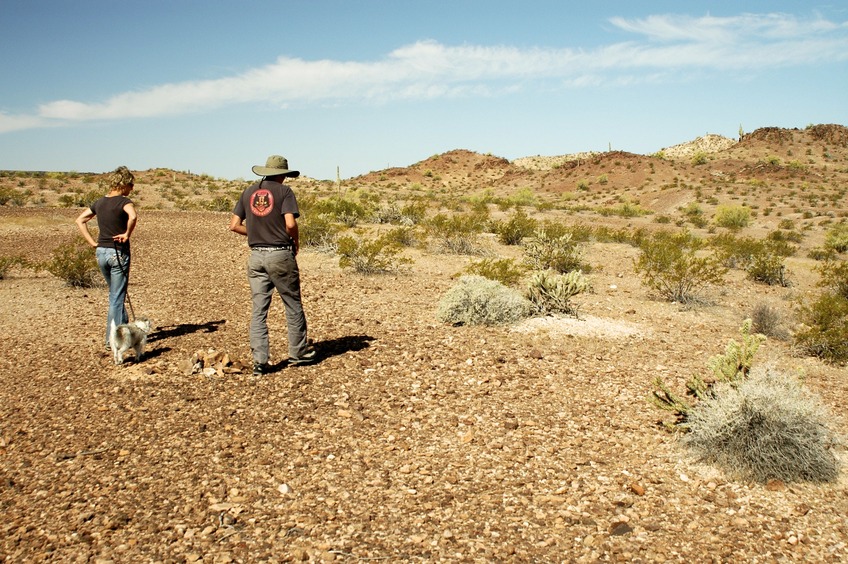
[
  {"x": 670, "y": 264},
  {"x": 476, "y": 300},
  {"x": 375, "y": 256},
  {"x": 732, "y": 217},
  {"x": 767, "y": 427},
  {"x": 519, "y": 226},
  {"x": 74, "y": 262},
  {"x": 553, "y": 251},
  {"x": 7, "y": 263},
  {"x": 457, "y": 234},
  {"x": 504, "y": 270},
  {"x": 824, "y": 328}
]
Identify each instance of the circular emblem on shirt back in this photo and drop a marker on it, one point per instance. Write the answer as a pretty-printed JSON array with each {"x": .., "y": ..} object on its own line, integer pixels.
[{"x": 261, "y": 202}]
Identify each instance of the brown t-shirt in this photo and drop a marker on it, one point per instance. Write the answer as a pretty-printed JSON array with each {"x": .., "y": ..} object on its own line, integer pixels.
[
  {"x": 111, "y": 219},
  {"x": 262, "y": 207}
]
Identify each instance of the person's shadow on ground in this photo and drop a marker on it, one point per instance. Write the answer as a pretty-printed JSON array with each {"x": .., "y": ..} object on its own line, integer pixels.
[{"x": 330, "y": 348}]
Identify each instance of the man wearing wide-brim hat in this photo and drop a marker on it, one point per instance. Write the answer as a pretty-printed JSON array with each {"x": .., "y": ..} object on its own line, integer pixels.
[{"x": 266, "y": 213}]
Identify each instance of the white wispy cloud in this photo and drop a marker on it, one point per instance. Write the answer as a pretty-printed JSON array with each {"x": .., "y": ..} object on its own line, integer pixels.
[{"x": 429, "y": 70}]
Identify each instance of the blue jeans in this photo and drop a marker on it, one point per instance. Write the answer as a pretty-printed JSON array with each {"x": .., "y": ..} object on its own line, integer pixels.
[
  {"x": 117, "y": 276},
  {"x": 267, "y": 271}
]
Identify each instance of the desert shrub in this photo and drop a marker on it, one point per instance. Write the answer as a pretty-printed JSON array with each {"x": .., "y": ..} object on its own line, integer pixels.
[
  {"x": 7, "y": 263},
  {"x": 699, "y": 158},
  {"x": 551, "y": 292},
  {"x": 476, "y": 300},
  {"x": 670, "y": 265},
  {"x": 318, "y": 232},
  {"x": 12, "y": 196},
  {"x": 402, "y": 236},
  {"x": 519, "y": 226},
  {"x": 732, "y": 217},
  {"x": 457, "y": 234},
  {"x": 375, "y": 256},
  {"x": 74, "y": 262},
  {"x": 768, "y": 267},
  {"x": 220, "y": 204},
  {"x": 824, "y": 329},
  {"x": 504, "y": 270},
  {"x": 822, "y": 254},
  {"x": 837, "y": 238},
  {"x": 834, "y": 275},
  {"x": 625, "y": 209},
  {"x": 553, "y": 252},
  {"x": 342, "y": 210},
  {"x": 735, "y": 252},
  {"x": 768, "y": 427},
  {"x": 767, "y": 321}
]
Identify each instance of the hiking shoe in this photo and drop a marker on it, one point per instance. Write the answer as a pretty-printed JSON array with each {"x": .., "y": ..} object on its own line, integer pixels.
[
  {"x": 260, "y": 369},
  {"x": 306, "y": 358}
]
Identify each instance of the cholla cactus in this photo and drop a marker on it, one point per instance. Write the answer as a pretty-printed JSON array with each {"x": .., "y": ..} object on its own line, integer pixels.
[
  {"x": 735, "y": 364},
  {"x": 551, "y": 292}
]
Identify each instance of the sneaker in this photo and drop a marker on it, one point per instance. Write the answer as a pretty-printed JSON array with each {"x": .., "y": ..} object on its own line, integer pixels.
[
  {"x": 260, "y": 369},
  {"x": 306, "y": 358}
]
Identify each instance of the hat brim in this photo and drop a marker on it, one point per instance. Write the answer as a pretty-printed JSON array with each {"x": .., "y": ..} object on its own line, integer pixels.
[{"x": 265, "y": 171}]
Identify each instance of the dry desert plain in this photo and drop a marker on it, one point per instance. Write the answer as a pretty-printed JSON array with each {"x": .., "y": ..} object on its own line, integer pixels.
[{"x": 409, "y": 440}]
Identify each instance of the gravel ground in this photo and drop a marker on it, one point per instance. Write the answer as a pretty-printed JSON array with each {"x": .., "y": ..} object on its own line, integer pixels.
[{"x": 407, "y": 441}]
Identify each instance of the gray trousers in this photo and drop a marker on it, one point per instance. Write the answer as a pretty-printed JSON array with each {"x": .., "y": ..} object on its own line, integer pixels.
[{"x": 267, "y": 271}]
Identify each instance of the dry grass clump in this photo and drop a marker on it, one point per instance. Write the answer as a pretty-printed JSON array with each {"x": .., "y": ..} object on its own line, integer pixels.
[{"x": 767, "y": 427}]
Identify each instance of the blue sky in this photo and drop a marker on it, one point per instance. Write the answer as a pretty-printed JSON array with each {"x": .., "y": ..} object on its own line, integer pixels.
[{"x": 214, "y": 87}]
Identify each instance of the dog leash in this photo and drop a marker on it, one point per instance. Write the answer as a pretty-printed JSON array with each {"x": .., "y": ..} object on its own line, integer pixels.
[{"x": 127, "y": 275}]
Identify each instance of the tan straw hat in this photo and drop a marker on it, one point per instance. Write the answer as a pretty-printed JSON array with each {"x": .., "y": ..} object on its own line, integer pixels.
[{"x": 275, "y": 165}]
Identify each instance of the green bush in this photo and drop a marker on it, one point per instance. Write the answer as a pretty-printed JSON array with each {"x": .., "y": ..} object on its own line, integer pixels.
[
  {"x": 7, "y": 263},
  {"x": 834, "y": 275},
  {"x": 342, "y": 210},
  {"x": 551, "y": 292},
  {"x": 504, "y": 270},
  {"x": 220, "y": 204},
  {"x": 824, "y": 329},
  {"x": 768, "y": 427},
  {"x": 376, "y": 256},
  {"x": 75, "y": 263},
  {"x": 560, "y": 253},
  {"x": 457, "y": 234},
  {"x": 837, "y": 238},
  {"x": 476, "y": 300},
  {"x": 768, "y": 267},
  {"x": 402, "y": 236},
  {"x": 519, "y": 226},
  {"x": 669, "y": 263},
  {"x": 732, "y": 217},
  {"x": 318, "y": 232}
]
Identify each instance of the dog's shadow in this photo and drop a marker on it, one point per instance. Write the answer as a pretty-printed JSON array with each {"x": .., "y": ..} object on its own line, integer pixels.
[{"x": 184, "y": 329}]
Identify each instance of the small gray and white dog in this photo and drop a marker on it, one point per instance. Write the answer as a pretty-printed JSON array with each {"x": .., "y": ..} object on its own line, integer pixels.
[{"x": 128, "y": 336}]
